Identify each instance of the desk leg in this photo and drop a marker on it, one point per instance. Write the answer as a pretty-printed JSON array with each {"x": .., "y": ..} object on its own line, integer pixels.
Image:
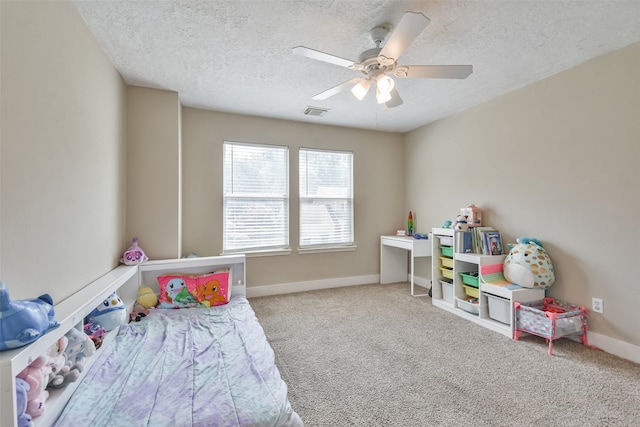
[
  {"x": 413, "y": 294},
  {"x": 393, "y": 264}
]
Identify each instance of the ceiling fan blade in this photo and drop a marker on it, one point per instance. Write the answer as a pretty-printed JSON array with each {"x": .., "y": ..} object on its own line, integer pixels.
[
  {"x": 410, "y": 26},
  {"x": 434, "y": 71},
  {"x": 342, "y": 87},
  {"x": 395, "y": 99},
  {"x": 321, "y": 56}
]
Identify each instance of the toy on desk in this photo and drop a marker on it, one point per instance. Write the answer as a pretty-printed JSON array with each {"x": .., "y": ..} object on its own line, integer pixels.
[
  {"x": 410, "y": 224},
  {"x": 24, "y": 321},
  {"x": 529, "y": 265},
  {"x": 37, "y": 375},
  {"x": 22, "y": 390},
  {"x": 446, "y": 224},
  {"x": 110, "y": 314},
  {"x": 420, "y": 236},
  {"x": 134, "y": 255}
]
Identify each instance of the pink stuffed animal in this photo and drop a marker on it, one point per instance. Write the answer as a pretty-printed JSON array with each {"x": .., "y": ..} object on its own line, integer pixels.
[
  {"x": 37, "y": 375},
  {"x": 134, "y": 255}
]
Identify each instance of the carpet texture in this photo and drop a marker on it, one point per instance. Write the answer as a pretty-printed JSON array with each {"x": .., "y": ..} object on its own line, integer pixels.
[{"x": 372, "y": 355}]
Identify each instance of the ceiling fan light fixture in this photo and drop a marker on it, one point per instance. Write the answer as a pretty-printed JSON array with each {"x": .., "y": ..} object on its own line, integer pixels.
[
  {"x": 385, "y": 84},
  {"x": 360, "y": 90},
  {"x": 382, "y": 97}
]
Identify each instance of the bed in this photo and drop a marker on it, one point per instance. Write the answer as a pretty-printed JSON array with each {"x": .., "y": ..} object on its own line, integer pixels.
[{"x": 176, "y": 367}]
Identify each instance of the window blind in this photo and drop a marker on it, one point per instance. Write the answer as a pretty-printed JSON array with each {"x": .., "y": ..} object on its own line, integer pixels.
[
  {"x": 326, "y": 198},
  {"x": 256, "y": 197}
]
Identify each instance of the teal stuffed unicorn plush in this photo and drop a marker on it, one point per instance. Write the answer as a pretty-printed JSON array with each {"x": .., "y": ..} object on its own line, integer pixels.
[
  {"x": 529, "y": 265},
  {"x": 24, "y": 321}
]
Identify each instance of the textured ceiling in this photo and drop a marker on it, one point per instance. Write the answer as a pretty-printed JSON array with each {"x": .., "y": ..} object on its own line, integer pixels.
[{"x": 235, "y": 56}]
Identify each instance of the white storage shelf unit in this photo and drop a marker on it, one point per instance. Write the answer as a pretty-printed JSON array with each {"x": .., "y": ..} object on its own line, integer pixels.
[{"x": 468, "y": 262}]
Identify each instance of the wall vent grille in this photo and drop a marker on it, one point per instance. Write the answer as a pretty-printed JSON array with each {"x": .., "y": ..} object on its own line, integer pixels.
[{"x": 315, "y": 111}]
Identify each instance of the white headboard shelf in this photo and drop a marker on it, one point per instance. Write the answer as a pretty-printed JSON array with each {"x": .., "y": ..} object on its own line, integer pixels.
[{"x": 70, "y": 313}]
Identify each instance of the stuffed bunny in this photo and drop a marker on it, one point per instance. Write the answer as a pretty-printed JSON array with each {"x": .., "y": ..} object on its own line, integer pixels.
[{"x": 37, "y": 375}]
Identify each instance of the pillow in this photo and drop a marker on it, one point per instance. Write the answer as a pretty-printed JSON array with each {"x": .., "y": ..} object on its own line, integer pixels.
[{"x": 187, "y": 291}]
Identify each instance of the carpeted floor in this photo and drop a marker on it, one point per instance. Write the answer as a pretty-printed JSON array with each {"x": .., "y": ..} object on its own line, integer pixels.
[{"x": 372, "y": 355}]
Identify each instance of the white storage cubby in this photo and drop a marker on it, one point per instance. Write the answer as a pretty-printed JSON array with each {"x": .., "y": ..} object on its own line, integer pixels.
[
  {"x": 468, "y": 262},
  {"x": 70, "y": 313}
]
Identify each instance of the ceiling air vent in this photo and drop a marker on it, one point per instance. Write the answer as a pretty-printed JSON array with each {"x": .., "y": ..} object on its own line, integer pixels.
[{"x": 315, "y": 111}]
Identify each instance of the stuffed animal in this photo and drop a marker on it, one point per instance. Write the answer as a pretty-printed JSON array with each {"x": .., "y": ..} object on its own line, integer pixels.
[
  {"x": 529, "y": 265},
  {"x": 58, "y": 363},
  {"x": 22, "y": 390},
  {"x": 37, "y": 375},
  {"x": 461, "y": 223},
  {"x": 110, "y": 314},
  {"x": 147, "y": 298},
  {"x": 138, "y": 313},
  {"x": 80, "y": 346},
  {"x": 24, "y": 321},
  {"x": 134, "y": 255},
  {"x": 95, "y": 332}
]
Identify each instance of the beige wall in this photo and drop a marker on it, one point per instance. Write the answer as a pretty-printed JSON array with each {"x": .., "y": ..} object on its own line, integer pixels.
[
  {"x": 557, "y": 160},
  {"x": 378, "y": 183},
  {"x": 62, "y": 152},
  {"x": 154, "y": 171}
]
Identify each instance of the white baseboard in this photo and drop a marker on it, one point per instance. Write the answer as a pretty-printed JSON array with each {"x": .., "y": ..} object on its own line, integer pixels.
[
  {"x": 311, "y": 285},
  {"x": 610, "y": 345},
  {"x": 614, "y": 346}
]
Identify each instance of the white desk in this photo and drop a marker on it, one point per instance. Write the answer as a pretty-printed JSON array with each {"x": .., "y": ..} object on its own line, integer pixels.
[{"x": 393, "y": 257}]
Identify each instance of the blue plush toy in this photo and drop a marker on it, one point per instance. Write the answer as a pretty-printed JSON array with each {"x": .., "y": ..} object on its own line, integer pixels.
[
  {"x": 24, "y": 321},
  {"x": 110, "y": 314}
]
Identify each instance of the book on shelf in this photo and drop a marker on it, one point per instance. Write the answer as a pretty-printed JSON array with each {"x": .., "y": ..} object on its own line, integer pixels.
[
  {"x": 486, "y": 241},
  {"x": 464, "y": 242}
]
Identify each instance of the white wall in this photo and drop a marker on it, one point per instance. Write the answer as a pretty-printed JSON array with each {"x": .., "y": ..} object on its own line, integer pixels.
[
  {"x": 62, "y": 152},
  {"x": 557, "y": 160}
]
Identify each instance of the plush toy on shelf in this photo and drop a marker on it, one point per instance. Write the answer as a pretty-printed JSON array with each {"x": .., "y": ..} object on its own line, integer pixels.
[
  {"x": 61, "y": 374},
  {"x": 80, "y": 346},
  {"x": 134, "y": 255},
  {"x": 461, "y": 223},
  {"x": 22, "y": 390},
  {"x": 529, "y": 265},
  {"x": 37, "y": 375},
  {"x": 24, "y": 321},
  {"x": 110, "y": 314},
  {"x": 95, "y": 332}
]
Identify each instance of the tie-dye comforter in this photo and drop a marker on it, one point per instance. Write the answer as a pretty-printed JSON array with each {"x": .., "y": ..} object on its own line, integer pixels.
[{"x": 187, "y": 367}]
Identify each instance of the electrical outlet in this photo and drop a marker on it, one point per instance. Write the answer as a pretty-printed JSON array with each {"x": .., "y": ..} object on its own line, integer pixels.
[{"x": 597, "y": 305}]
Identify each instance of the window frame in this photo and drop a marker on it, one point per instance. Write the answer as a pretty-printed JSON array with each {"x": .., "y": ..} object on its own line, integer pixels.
[
  {"x": 285, "y": 198},
  {"x": 331, "y": 246}
]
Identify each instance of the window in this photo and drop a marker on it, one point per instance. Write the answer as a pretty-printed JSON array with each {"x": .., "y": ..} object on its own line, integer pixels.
[
  {"x": 256, "y": 197},
  {"x": 326, "y": 198}
]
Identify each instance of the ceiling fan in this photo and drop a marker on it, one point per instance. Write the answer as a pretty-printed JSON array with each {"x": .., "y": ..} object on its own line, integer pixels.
[{"x": 378, "y": 64}]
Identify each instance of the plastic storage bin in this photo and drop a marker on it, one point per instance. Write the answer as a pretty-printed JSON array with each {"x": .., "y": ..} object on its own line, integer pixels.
[
  {"x": 446, "y": 240},
  {"x": 499, "y": 309},
  {"x": 468, "y": 306},
  {"x": 447, "y": 251},
  {"x": 470, "y": 278},
  {"x": 471, "y": 291},
  {"x": 446, "y": 262},
  {"x": 447, "y": 272},
  {"x": 447, "y": 291}
]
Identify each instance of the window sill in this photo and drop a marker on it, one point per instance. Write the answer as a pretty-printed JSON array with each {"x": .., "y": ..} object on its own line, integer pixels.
[
  {"x": 318, "y": 250},
  {"x": 255, "y": 254}
]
